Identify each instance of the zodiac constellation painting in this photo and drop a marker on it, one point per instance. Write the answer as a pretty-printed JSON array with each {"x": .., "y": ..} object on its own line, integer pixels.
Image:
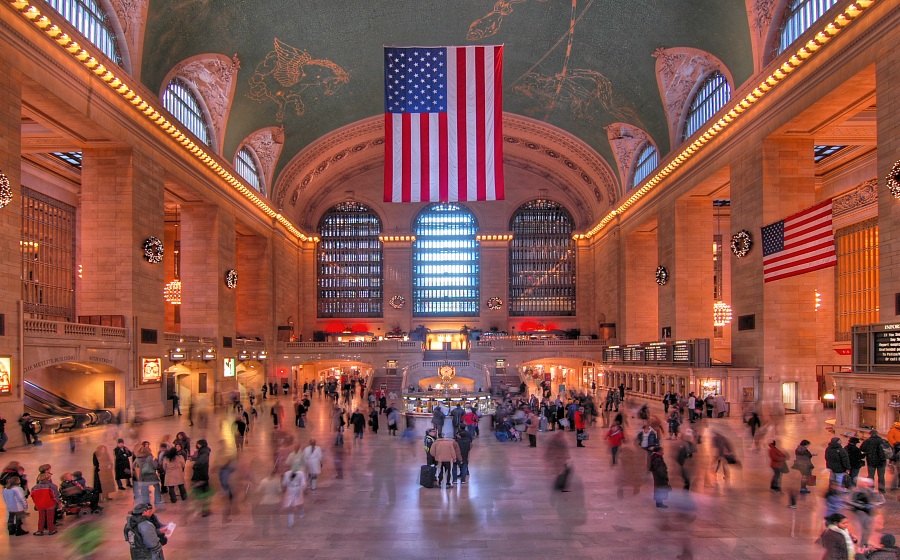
[
  {"x": 584, "y": 93},
  {"x": 289, "y": 76},
  {"x": 489, "y": 25}
]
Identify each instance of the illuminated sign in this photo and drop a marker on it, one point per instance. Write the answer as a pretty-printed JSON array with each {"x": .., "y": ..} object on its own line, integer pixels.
[
  {"x": 5, "y": 374},
  {"x": 151, "y": 370},
  {"x": 229, "y": 368}
]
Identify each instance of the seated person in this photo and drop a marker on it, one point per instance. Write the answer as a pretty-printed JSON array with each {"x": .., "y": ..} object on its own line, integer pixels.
[{"x": 72, "y": 491}]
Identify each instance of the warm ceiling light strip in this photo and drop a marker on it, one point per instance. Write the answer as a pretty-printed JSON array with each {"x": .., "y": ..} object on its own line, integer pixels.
[
  {"x": 79, "y": 53},
  {"x": 802, "y": 54}
]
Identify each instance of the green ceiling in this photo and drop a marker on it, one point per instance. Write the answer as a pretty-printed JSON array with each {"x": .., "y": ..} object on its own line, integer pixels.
[{"x": 609, "y": 73}]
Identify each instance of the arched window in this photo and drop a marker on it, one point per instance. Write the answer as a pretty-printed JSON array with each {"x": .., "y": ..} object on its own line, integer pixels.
[
  {"x": 245, "y": 164},
  {"x": 348, "y": 258},
  {"x": 92, "y": 22},
  {"x": 799, "y": 16},
  {"x": 647, "y": 160},
  {"x": 179, "y": 101},
  {"x": 713, "y": 94},
  {"x": 542, "y": 260},
  {"x": 445, "y": 262}
]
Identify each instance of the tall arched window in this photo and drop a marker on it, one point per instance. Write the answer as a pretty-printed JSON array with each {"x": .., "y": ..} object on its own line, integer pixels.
[
  {"x": 713, "y": 94},
  {"x": 179, "y": 101},
  {"x": 245, "y": 164},
  {"x": 348, "y": 258},
  {"x": 541, "y": 260},
  {"x": 445, "y": 262},
  {"x": 799, "y": 16},
  {"x": 92, "y": 22},
  {"x": 647, "y": 160}
]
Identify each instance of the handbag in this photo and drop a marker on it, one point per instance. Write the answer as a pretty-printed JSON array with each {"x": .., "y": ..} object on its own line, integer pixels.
[
  {"x": 564, "y": 422},
  {"x": 584, "y": 436}
]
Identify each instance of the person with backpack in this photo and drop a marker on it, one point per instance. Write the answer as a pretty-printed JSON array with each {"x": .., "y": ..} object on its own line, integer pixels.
[
  {"x": 876, "y": 451},
  {"x": 144, "y": 470},
  {"x": 144, "y": 534}
]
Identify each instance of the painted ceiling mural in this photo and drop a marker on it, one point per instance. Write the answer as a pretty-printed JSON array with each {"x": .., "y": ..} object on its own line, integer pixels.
[{"x": 310, "y": 67}]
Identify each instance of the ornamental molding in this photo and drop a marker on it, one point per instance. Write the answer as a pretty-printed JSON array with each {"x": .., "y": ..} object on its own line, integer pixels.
[
  {"x": 862, "y": 196},
  {"x": 212, "y": 76},
  {"x": 679, "y": 72},
  {"x": 625, "y": 141},
  {"x": 267, "y": 144},
  {"x": 132, "y": 19},
  {"x": 353, "y": 145},
  {"x": 760, "y": 14}
]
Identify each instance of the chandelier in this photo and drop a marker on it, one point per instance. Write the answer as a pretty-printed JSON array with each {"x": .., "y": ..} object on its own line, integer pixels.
[
  {"x": 721, "y": 314},
  {"x": 172, "y": 291}
]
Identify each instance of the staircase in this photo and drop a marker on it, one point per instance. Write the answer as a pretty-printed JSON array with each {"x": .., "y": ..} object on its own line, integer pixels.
[
  {"x": 500, "y": 383},
  {"x": 393, "y": 383}
]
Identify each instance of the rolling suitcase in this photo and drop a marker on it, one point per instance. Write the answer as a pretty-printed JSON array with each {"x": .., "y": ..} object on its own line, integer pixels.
[{"x": 427, "y": 476}]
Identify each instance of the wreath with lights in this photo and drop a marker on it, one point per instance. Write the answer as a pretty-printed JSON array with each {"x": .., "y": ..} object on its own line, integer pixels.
[
  {"x": 6, "y": 194},
  {"x": 153, "y": 250},
  {"x": 741, "y": 243},
  {"x": 494, "y": 303},
  {"x": 397, "y": 302},
  {"x": 662, "y": 275},
  {"x": 893, "y": 180},
  {"x": 231, "y": 278}
]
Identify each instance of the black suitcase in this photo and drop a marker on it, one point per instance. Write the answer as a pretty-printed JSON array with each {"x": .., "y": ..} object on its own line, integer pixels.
[{"x": 427, "y": 476}]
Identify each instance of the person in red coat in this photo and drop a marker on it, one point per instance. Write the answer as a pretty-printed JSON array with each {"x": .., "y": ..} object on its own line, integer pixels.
[
  {"x": 614, "y": 437},
  {"x": 45, "y": 496},
  {"x": 777, "y": 460},
  {"x": 580, "y": 426}
]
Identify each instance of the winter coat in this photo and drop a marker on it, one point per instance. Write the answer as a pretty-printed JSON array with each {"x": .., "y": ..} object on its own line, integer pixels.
[
  {"x": 464, "y": 441},
  {"x": 312, "y": 458},
  {"x": 803, "y": 460},
  {"x": 532, "y": 424},
  {"x": 45, "y": 495},
  {"x": 777, "y": 457},
  {"x": 174, "y": 470},
  {"x": 445, "y": 450},
  {"x": 138, "y": 467},
  {"x": 123, "y": 463},
  {"x": 200, "y": 469},
  {"x": 660, "y": 471},
  {"x": 875, "y": 455},
  {"x": 103, "y": 473},
  {"x": 855, "y": 456},
  {"x": 836, "y": 458}
]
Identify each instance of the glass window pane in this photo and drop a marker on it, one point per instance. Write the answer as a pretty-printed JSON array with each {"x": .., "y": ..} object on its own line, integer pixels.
[
  {"x": 182, "y": 104},
  {"x": 92, "y": 22},
  {"x": 713, "y": 94}
]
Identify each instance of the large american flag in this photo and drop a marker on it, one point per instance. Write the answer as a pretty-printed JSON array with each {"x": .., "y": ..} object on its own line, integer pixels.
[
  {"x": 443, "y": 124},
  {"x": 799, "y": 243}
]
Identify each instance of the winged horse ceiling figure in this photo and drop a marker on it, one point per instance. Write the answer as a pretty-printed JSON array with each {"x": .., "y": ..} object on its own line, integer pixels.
[{"x": 289, "y": 75}]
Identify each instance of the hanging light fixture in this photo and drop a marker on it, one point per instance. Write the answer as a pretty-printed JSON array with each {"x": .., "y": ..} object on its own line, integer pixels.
[
  {"x": 721, "y": 314},
  {"x": 859, "y": 399},
  {"x": 895, "y": 403},
  {"x": 172, "y": 291},
  {"x": 721, "y": 310}
]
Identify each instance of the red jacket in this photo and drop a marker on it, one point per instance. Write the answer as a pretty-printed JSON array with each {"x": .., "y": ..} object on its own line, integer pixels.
[
  {"x": 45, "y": 495},
  {"x": 614, "y": 439},
  {"x": 580, "y": 423}
]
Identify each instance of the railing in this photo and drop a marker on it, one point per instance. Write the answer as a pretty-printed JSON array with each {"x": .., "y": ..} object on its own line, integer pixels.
[
  {"x": 73, "y": 330},
  {"x": 511, "y": 342},
  {"x": 348, "y": 344},
  {"x": 249, "y": 343}
]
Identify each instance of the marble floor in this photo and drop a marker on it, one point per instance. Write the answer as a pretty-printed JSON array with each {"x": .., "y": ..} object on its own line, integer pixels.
[{"x": 508, "y": 509}]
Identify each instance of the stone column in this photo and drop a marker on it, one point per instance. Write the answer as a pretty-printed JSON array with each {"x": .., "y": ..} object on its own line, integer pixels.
[
  {"x": 122, "y": 206},
  {"x": 769, "y": 183},
  {"x": 397, "y": 272},
  {"x": 494, "y": 282},
  {"x": 887, "y": 90},
  {"x": 641, "y": 293},
  {"x": 10, "y": 234},
  {"x": 685, "y": 236},
  {"x": 208, "y": 305},
  {"x": 253, "y": 294}
]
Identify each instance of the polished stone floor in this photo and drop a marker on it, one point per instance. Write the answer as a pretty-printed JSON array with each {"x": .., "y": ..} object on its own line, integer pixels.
[{"x": 507, "y": 510}]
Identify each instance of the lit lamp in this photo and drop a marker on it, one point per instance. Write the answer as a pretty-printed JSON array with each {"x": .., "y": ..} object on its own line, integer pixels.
[
  {"x": 172, "y": 291},
  {"x": 859, "y": 399},
  {"x": 894, "y": 402},
  {"x": 829, "y": 398}
]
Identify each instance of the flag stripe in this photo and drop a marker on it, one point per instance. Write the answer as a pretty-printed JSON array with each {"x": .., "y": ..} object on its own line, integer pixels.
[
  {"x": 443, "y": 116},
  {"x": 801, "y": 243}
]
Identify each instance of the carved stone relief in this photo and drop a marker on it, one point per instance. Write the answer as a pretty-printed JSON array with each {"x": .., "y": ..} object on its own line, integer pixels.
[
  {"x": 132, "y": 15},
  {"x": 864, "y": 194},
  {"x": 678, "y": 71},
  {"x": 625, "y": 141},
  {"x": 213, "y": 76},
  {"x": 267, "y": 144}
]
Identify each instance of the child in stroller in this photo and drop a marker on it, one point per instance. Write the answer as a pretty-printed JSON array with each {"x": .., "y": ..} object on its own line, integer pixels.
[{"x": 78, "y": 499}]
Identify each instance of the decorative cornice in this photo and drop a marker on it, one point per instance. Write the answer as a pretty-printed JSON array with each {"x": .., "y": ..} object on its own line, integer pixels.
[{"x": 865, "y": 194}]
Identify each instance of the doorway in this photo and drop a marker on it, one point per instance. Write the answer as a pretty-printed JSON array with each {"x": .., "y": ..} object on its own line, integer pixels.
[{"x": 789, "y": 396}]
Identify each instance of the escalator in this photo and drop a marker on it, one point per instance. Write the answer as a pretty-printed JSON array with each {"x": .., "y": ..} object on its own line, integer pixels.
[
  {"x": 49, "y": 421},
  {"x": 49, "y": 404}
]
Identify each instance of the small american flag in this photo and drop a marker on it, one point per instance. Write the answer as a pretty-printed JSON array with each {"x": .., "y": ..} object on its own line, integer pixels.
[
  {"x": 799, "y": 243},
  {"x": 443, "y": 124}
]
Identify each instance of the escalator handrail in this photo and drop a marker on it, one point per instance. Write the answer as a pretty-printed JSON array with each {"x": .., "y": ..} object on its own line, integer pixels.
[{"x": 50, "y": 397}]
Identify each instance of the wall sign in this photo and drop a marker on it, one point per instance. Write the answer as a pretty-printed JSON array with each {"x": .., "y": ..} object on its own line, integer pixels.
[
  {"x": 5, "y": 375},
  {"x": 151, "y": 370},
  {"x": 229, "y": 367}
]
